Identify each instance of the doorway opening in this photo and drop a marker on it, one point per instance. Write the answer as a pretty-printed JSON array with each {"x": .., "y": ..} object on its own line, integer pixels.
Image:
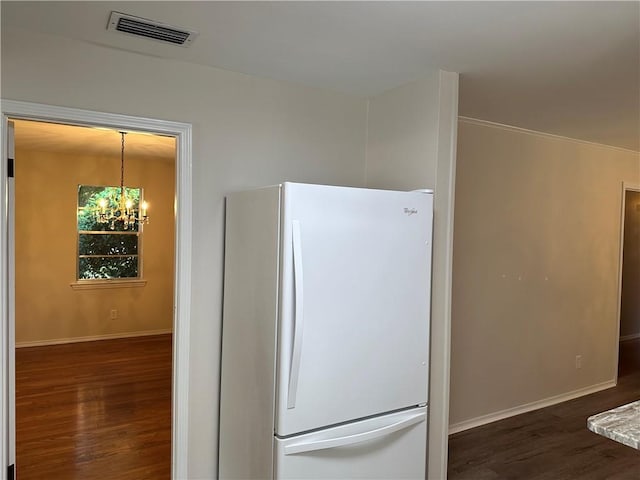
[
  {"x": 180, "y": 280},
  {"x": 629, "y": 339},
  {"x": 93, "y": 302}
]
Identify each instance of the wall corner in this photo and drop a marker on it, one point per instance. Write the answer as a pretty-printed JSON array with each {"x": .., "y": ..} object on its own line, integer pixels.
[{"x": 442, "y": 274}]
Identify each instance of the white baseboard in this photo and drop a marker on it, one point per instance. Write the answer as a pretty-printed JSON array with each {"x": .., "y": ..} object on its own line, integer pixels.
[
  {"x": 528, "y": 407},
  {"x": 92, "y": 338},
  {"x": 633, "y": 336}
]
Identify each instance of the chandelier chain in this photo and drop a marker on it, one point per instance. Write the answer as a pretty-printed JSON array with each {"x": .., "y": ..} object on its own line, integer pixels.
[{"x": 122, "y": 162}]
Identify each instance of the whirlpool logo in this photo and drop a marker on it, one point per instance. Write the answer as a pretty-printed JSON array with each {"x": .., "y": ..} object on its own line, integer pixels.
[{"x": 410, "y": 211}]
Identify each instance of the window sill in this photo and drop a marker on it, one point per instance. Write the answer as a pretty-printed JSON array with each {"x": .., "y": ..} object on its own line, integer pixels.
[{"x": 99, "y": 284}]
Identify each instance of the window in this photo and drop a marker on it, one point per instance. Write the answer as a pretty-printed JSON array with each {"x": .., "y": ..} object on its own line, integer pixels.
[{"x": 106, "y": 250}]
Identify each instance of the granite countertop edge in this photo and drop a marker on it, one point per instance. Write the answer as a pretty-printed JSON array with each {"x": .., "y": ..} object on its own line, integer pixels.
[{"x": 621, "y": 424}]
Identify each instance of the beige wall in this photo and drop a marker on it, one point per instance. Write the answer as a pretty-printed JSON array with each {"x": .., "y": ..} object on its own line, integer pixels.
[
  {"x": 536, "y": 245},
  {"x": 411, "y": 145},
  {"x": 47, "y": 308},
  {"x": 246, "y": 132},
  {"x": 630, "y": 301}
]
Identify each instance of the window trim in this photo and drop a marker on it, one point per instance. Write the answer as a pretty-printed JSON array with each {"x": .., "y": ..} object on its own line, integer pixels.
[{"x": 100, "y": 283}]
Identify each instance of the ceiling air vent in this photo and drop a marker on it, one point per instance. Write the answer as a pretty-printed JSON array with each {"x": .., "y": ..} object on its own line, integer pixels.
[{"x": 142, "y": 27}]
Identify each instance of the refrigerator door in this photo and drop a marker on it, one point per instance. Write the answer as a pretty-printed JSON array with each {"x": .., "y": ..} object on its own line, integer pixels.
[
  {"x": 355, "y": 302},
  {"x": 391, "y": 446}
]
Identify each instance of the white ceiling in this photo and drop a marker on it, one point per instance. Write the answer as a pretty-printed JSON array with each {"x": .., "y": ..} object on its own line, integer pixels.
[{"x": 568, "y": 68}]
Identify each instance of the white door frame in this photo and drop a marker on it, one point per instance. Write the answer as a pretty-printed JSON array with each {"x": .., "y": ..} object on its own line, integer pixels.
[
  {"x": 626, "y": 187},
  {"x": 182, "y": 290},
  {"x": 11, "y": 292}
]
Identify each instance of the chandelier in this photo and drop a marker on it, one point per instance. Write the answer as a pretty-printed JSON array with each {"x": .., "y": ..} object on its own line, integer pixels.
[{"x": 119, "y": 208}]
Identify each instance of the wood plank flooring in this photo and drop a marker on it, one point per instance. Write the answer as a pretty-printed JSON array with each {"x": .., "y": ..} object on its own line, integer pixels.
[
  {"x": 553, "y": 443},
  {"x": 94, "y": 410}
]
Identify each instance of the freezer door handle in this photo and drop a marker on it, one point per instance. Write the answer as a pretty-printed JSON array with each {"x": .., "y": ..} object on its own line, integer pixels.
[
  {"x": 355, "y": 438},
  {"x": 298, "y": 315}
]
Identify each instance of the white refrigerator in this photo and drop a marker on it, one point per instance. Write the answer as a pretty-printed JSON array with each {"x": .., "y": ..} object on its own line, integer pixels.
[{"x": 325, "y": 336}]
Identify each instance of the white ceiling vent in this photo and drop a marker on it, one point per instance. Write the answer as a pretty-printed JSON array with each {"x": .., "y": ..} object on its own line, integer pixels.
[{"x": 142, "y": 27}]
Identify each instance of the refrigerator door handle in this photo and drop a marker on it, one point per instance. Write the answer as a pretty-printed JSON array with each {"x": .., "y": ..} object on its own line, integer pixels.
[
  {"x": 356, "y": 438},
  {"x": 298, "y": 315}
]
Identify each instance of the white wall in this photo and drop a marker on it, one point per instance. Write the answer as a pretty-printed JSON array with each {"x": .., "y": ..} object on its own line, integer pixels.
[
  {"x": 246, "y": 132},
  {"x": 402, "y": 137},
  {"x": 411, "y": 144},
  {"x": 536, "y": 254}
]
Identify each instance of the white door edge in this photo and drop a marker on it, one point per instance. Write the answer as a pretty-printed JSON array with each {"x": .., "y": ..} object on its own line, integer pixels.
[{"x": 182, "y": 296}]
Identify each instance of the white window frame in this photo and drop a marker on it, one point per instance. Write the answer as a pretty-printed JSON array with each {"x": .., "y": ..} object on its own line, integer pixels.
[{"x": 138, "y": 233}]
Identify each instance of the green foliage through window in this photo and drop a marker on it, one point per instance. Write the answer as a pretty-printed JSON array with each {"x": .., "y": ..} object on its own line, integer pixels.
[{"x": 105, "y": 252}]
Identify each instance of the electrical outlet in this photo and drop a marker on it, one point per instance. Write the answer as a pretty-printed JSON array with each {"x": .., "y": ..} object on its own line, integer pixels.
[
  {"x": 578, "y": 361},
  {"x": 114, "y": 314}
]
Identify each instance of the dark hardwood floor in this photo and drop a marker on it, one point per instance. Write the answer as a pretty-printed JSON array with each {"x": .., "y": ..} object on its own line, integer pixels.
[
  {"x": 553, "y": 443},
  {"x": 94, "y": 410}
]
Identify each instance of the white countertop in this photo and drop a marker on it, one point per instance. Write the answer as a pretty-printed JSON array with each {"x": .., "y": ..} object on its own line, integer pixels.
[{"x": 621, "y": 424}]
